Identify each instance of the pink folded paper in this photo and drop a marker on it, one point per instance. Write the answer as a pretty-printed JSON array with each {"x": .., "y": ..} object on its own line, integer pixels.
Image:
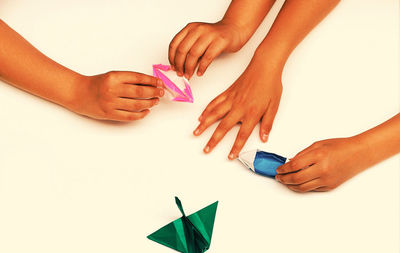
[{"x": 179, "y": 89}]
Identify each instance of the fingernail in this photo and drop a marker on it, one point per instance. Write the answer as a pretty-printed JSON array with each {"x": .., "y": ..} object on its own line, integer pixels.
[
  {"x": 277, "y": 178},
  {"x": 180, "y": 73},
  {"x": 157, "y": 101},
  {"x": 196, "y": 132},
  {"x": 159, "y": 82},
  {"x": 187, "y": 76},
  {"x": 161, "y": 92},
  {"x": 207, "y": 149},
  {"x": 200, "y": 118},
  {"x": 199, "y": 73},
  {"x": 173, "y": 68},
  {"x": 231, "y": 156},
  {"x": 264, "y": 137}
]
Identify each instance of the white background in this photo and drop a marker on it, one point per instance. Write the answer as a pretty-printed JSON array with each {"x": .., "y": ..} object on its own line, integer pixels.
[{"x": 72, "y": 184}]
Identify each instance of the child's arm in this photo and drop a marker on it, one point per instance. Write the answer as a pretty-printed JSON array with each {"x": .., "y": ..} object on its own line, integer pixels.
[
  {"x": 109, "y": 96},
  {"x": 326, "y": 164},
  {"x": 256, "y": 94},
  {"x": 200, "y": 43}
]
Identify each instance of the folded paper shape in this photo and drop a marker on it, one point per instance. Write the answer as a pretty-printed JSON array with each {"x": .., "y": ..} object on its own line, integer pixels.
[
  {"x": 262, "y": 162},
  {"x": 188, "y": 234},
  {"x": 178, "y": 88}
]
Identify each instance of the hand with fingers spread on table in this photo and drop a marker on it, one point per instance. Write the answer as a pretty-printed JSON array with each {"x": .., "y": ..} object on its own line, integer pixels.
[
  {"x": 327, "y": 164},
  {"x": 254, "y": 97},
  {"x": 116, "y": 95}
]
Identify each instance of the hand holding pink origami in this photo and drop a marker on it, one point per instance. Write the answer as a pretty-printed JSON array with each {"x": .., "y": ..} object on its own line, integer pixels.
[
  {"x": 198, "y": 44},
  {"x": 117, "y": 95}
]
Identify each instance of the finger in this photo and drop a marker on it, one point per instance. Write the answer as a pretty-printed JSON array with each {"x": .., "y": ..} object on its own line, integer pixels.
[
  {"x": 244, "y": 133},
  {"x": 211, "y": 53},
  {"x": 226, "y": 124},
  {"x": 140, "y": 91},
  {"x": 128, "y": 77},
  {"x": 135, "y": 105},
  {"x": 306, "y": 187},
  {"x": 268, "y": 120},
  {"x": 121, "y": 115},
  {"x": 211, "y": 118},
  {"x": 175, "y": 43},
  {"x": 299, "y": 177},
  {"x": 322, "y": 189},
  {"x": 298, "y": 163},
  {"x": 212, "y": 105},
  {"x": 194, "y": 54},
  {"x": 183, "y": 49}
]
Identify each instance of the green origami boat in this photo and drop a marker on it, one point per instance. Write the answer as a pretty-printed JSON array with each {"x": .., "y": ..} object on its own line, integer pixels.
[{"x": 188, "y": 234}]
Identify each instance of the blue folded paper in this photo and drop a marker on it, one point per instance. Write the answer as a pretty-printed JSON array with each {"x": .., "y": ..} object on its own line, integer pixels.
[{"x": 261, "y": 162}]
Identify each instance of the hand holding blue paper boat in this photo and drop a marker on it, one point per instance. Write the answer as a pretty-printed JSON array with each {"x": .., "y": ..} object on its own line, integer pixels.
[
  {"x": 261, "y": 162},
  {"x": 188, "y": 234}
]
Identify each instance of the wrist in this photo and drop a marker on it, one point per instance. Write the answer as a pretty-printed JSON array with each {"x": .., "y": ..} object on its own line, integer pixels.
[
  {"x": 240, "y": 31},
  {"x": 364, "y": 148},
  {"x": 268, "y": 61},
  {"x": 80, "y": 84}
]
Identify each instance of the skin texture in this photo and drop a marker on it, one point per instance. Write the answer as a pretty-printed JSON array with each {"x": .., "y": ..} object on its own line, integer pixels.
[
  {"x": 116, "y": 95},
  {"x": 327, "y": 164},
  {"x": 254, "y": 97}
]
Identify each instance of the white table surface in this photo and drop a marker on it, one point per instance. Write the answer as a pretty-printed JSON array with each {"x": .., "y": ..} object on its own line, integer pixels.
[{"x": 72, "y": 184}]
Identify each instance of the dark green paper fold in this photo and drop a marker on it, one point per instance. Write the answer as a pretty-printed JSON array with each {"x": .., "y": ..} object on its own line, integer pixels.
[{"x": 188, "y": 234}]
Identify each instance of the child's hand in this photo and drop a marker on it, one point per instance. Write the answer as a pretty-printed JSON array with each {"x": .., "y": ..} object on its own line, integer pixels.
[
  {"x": 199, "y": 44},
  {"x": 324, "y": 165},
  {"x": 117, "y": 96},
  {"x": 254, "y": 97}
]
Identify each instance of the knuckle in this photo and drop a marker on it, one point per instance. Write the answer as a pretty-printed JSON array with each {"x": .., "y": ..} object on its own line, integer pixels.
[
  {"x": 131, "y": 117},
  {"x": 324, "y": 169},
  {"x": 107, "y": 108},
  {"x": 105, "y": 90},
  {"x": 300, "y": 188},
  {"x": 316, "y": 144},
  {"x": 111, "y": 76},
  {"x": 194, "y": 52},
  {"x": 136, "y": 106},
  {"x": 242, "y": 136},
  {"x": 294, "y": 165},
  {"x": 219, "y": 111},
  {"x": 182, "y": 50},
  {"x": 329, "y": 188},
  {"x": 283, "y": 179},
  {"x": 172, "y": 45},
  {"x": 139, "y": 91},
  {"x": 320, "y": 153},
  {"x": 223, "y": 39},
  {"x": 223, "y": 126},
  {"x": 206, "y": 59},
  {"x": 191, "y": 25},
  {"x": 296, "y": 178},
  {"x": 212, "y": 142}
]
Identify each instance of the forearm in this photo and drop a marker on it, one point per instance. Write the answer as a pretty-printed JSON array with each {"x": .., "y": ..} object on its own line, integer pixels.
[
  {"x": 294, "y": 21},
  {"x": 26, "y": 68},
  {"x": 247, "y": 15},
  {"x": 382, "y": 141}
]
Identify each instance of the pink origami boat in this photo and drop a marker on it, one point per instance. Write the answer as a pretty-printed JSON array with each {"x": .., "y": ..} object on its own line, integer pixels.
[{"x": 179, "y": 89}]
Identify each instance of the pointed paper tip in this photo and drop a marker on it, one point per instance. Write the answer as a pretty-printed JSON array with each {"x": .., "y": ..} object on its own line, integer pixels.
[
  {"x": 247, "y": 158},
  {"x": 179, "y": 204}
]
